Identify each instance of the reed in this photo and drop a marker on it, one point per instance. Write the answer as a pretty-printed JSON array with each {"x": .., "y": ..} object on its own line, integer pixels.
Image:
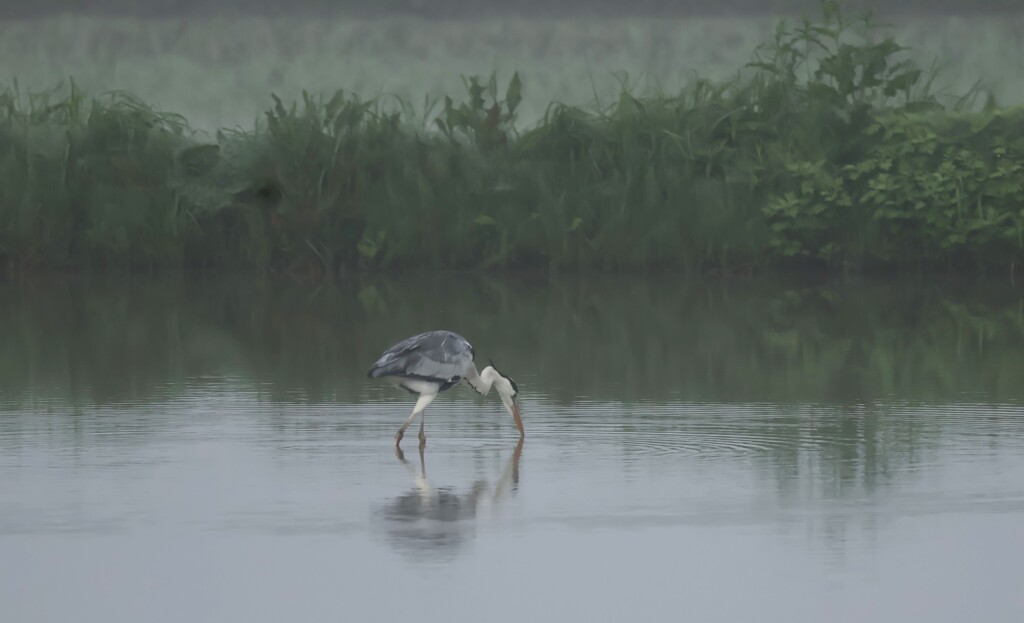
[{"x": 828, "y": 149}]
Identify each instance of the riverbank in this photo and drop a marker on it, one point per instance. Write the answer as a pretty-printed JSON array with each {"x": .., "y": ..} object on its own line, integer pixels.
[{"x": 840, "y": 160}]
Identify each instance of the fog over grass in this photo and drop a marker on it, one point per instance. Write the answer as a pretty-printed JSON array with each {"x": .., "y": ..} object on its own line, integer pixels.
[{"x": 220, "y": 71}]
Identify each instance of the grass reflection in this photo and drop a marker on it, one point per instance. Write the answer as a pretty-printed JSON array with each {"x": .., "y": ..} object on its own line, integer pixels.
[{"x": 103, "y": 341}]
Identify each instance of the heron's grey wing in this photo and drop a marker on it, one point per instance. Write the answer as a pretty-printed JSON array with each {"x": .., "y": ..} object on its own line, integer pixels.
[{"x": 436, "y": 355}]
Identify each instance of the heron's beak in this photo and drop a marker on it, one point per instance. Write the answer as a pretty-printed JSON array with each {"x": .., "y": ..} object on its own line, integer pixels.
[{"x": 518, "y": 418}]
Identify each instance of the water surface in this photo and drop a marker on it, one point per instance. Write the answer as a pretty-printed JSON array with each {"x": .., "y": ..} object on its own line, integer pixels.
[{"x": 210, "y": 449}]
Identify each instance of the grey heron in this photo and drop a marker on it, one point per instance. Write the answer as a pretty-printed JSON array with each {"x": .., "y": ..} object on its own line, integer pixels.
[{"x": 432, "y": 362}]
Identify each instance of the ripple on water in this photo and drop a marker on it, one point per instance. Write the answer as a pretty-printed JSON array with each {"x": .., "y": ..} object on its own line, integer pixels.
[
  {"x": 699, "y": 431},
  {"x": 710, "y": 432}
]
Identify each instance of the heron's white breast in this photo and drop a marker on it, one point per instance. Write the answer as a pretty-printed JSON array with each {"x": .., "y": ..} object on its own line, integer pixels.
[{"x": 418, "y": 385}]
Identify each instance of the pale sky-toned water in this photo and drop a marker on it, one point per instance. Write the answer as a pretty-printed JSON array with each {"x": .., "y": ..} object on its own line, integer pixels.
[{"x": 213, "y": 451}]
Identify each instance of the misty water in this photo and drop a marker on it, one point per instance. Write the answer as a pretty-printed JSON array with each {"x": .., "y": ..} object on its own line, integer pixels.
[{"x": 210, "y": 449}]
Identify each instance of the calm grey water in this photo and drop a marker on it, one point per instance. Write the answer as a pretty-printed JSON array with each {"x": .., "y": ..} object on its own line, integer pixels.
[{"x": 211, "y": 450}]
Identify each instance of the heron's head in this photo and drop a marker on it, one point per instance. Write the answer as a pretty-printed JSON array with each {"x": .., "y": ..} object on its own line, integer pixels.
[{"x": 508, "y": 391}]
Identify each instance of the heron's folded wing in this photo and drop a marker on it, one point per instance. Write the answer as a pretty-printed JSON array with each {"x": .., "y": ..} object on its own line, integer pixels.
[{"x": 437, "y": 355}]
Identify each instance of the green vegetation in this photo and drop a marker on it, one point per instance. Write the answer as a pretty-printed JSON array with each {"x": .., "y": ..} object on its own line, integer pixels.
[{"x": 829, "y": 149}]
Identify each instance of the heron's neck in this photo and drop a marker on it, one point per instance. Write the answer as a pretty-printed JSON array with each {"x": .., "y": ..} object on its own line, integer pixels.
[{"x": 481, "y": 382}]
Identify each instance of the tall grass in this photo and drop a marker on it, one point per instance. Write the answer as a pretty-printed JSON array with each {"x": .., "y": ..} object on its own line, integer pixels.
[
  {"x": 218, "y": 71},
  {"x": 829, "y": 148}
]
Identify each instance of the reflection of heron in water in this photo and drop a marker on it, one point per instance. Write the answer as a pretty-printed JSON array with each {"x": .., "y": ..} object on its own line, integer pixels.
[
  {"x": 433, "y": 362},
  {"x": 431, "y": 520}
]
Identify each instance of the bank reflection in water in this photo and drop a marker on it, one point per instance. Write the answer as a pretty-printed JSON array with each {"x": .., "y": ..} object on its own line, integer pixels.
[
  {"x": 431, "y": 522},
  {"x": 622, "y": 338}
]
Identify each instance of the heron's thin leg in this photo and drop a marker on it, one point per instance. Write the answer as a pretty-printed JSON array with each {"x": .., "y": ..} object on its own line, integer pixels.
[
  {"x": 405, "y": 425},
  {"x": 423, "y": 435},
  {"x": 421, "y": 405}
]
